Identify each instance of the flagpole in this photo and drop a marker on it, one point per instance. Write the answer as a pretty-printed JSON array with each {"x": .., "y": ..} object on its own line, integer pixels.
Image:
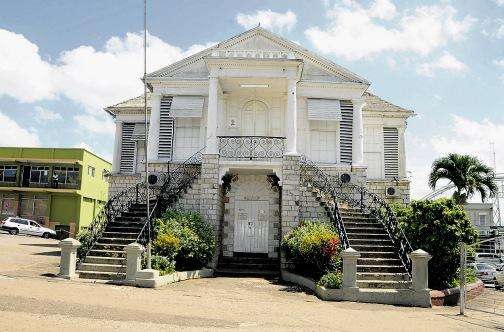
[{"x": 146, "y": 130}]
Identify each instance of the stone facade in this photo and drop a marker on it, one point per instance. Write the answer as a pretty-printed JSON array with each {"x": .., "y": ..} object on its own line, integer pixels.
[
  {"x": 252, "y": 187},
  {"x": 119, "y": 182},
  {"x": 210, "y": 193},
  {"x": 190, "y": 200},
  {"x": 309, "y": 207},
  {"x": 402, "y": 188}
]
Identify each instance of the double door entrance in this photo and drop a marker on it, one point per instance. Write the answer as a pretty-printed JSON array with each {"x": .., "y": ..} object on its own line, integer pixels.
[{"x": 251, "y": 226}]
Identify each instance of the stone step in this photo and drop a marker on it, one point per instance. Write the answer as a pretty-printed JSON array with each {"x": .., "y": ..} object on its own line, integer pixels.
[
  {"x": 381, "y": 268},
  {"x": 379, "y": 261},
  {"x": 131, "y": 218},
  {"x": 107, "y": 253},
  {"x": 373, "y": 247},
  {"x": 115, "y": 228},
  {"x": 105, "y": 260},
  {"x": 109, "y": 246},
  {"x": 121, "y": 235},
  {"x": 370, "y": 242},
  {"x": 383, "y": 284},
  {"x": 348, "y": 218},
  {"x": 363, "y": 224},
  {"x": 382, "y": 276},
  {"x": 101, "y": 275},
  {"x": 227, "y": 272},
  {"x": 378, "y": 254},
  {"x": 116, "y": 240},
  {"x": 102, "y": 268},
  {"x": 369, "y": 230},
  {"x": 367, "y": 236},
  {"x": 248, "y": 266}
]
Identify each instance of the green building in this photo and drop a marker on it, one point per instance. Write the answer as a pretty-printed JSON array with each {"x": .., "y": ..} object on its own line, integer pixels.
[{"x": 61, "y": 188}]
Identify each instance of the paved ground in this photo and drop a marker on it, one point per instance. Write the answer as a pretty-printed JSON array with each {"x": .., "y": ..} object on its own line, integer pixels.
[{"x": 31, "y": 300}]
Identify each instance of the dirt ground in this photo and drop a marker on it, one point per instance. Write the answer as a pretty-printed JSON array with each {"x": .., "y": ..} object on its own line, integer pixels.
[{"x": 31, "y": 299}]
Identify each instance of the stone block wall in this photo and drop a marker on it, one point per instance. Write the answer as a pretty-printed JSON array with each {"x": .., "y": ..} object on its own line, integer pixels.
[
  {"x": 119, "y": 182},
  {"x": 402, "y": 190},
  {"x": 190, "y": 200},
  {"x": 309, "y": 207},
  {"x": 252, "y": 187},
  {"x": 290, "y": 197}
]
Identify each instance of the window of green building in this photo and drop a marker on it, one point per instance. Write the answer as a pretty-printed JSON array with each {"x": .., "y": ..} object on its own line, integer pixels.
[
  {"x": 39, "y": 174},
  {"x": 91, "y": 171},
  {"x": 8, "y": 173},
  {"x": 66, "y": 175}
]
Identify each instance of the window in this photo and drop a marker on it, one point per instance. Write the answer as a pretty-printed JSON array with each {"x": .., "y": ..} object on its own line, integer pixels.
[
  {"x": 39, "y": 174},
  {"x": 482, "y": 219},
  {"x": 66, "y": 175},
  {"x": 20, "y": 221},
  {"x": 323, "y": 139},
  {"x": 391, "y": 152},
  {"x": 187, "y": 136},
  {"x": 104, "y": 175},
  {"x": 91, "y": 171},
  {"x": 8, "y": 173}
]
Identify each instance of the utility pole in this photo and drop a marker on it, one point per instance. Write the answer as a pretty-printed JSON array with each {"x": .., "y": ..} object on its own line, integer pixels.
[
  {"x": 497, "y": 211},
  {"x": 146, "y": 130}
]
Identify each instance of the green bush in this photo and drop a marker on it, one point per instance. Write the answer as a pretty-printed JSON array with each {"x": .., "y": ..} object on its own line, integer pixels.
[
  {"x": 314, "y": 248},
  {"x": 185, "y": 237},
  {"x": 437, "y": 227},
  {"x": 162, "y": 264},
  {"x": 332, "y": 280}
]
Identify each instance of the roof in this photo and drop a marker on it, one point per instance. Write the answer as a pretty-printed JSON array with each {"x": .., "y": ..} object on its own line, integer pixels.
[
  {"x": 376, "y": 104},
  {"x": 133, "y": 103},
  {"x": 328, "y": 64}
]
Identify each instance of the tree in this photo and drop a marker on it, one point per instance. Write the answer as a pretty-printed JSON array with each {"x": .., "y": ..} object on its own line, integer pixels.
[{"x": 467, "y": 173}]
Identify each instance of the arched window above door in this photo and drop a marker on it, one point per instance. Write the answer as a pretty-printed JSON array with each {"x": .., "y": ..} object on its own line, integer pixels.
[{"x": 255, "y": 118}]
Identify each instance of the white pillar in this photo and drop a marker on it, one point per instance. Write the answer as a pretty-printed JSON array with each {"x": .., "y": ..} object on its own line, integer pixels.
[
  {"x": 291, "y": 118},
  {"x": 350, "y": 257},
  {"x": 133, "y": 260},
  {"x": 212, "y": 116},
  {"x": 116, "y": 158},
  {"x": 420, "y": 270},
  {"x": 68, "y": 260},
  {"x": 358, "y": 133},
  {"x": 153, "y": 138}
]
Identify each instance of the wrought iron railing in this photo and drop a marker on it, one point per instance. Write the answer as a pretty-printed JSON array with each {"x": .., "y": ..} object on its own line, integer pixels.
[
  {"x": 251, "y": 147},
  {"x": 118, "y": 204},
  {"x": 173, "y": 184},
  {"x": 357, "y": 196}
]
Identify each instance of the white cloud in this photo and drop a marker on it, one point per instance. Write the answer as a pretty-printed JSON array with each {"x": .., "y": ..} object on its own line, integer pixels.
[
  {"x": 357, "y": 32},
  {"x": 463, "y": 135},
  {"x": 499, "y": 63},
  {"x": 15, "y": 135},
  {"x": 499, "y": 2},
  {"x": 90, "y": 77},
  {"x": 95, "y": 124},
  {"x": 446, "y": 62},
  {"x": 43, "y": 115},
  {"x": 268, "y": 19}
]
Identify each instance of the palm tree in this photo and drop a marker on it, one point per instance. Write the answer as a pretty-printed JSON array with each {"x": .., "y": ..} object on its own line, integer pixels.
[{"x": 467, "y": 173}]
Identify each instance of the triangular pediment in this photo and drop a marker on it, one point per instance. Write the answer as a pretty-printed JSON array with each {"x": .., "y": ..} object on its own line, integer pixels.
[{"x": 315, "y": 68}]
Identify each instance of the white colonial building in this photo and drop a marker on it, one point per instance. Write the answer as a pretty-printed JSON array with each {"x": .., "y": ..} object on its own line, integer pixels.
[{"x": 255, "y": 105}]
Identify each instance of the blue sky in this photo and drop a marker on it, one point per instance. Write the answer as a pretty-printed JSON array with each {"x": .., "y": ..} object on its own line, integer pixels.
[{"x": 61, "y": 62}]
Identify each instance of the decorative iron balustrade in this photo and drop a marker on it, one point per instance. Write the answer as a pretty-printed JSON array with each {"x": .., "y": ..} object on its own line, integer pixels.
[
  {"x": 173, "y": 184},
  {"x": 357, "y": 196},
  {"x": 251, "y": 147}
]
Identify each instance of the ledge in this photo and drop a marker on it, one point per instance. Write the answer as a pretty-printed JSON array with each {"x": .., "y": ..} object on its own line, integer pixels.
[
  {"x": 152, "y": 279},
  {"x": 450, "y": 296}
]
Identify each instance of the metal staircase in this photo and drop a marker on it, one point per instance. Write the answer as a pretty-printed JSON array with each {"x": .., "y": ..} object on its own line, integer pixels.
[
  {"x": 366, "y": 223},
  {"x": 123, "y": 221}
]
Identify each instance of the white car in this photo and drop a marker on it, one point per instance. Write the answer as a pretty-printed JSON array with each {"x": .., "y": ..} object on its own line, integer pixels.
[
  {"x": 16, "y": 225},
  {"x": 485, "y": 272}
]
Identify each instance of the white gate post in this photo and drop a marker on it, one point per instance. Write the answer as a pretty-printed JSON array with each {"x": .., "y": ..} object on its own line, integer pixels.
[
  {"x": 68, "y": 260},
  {"x": 133, "y": 260},
  {"x": 350, "y": 289}
]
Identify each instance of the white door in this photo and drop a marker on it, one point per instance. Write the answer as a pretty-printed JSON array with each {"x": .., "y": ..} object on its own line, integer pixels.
[
  {"x": 255, "y": 119},
  {"x": 251, "y": 226}
]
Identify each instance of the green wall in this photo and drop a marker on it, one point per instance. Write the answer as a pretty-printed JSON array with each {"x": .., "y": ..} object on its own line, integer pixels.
[{"x": 65, "y": 209}]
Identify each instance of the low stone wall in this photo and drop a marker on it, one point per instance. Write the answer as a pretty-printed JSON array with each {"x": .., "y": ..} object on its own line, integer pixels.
[
  {"x": 152, "y": 279},
  {"x": 450, "y": 296},
  {"x": 402, "y": 190}
]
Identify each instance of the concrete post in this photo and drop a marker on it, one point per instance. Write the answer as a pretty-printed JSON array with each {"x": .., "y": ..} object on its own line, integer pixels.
[
  {"x": 291, "y": 118},
  {"x": 420, "y": 270},
  {"x": 68, "y": 258},
  {"x": 350, "y": 257},
  {"x": 212, "y": 116},
  {"x": 133, "y": 260}
]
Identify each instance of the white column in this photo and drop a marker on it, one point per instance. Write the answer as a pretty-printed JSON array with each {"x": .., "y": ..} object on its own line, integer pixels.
[
  {"x": 291, "y": 118},
  {"x": 116, "y": 158},
  {"x": 133, "y": 260},
  {"x": 153, "y": 138},
  {"x": 358, "y": 133},
  {"x": 68, "y": 259},
  {"x": 212, "y": 116},
  {"x": 402, "y": 153},
  {"x": 420, "y": 270},
  {"x": 350, "y": 257}
]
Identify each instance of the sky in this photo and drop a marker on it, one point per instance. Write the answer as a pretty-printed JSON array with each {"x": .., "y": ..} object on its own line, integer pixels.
[{"x": 62, "y": 62}]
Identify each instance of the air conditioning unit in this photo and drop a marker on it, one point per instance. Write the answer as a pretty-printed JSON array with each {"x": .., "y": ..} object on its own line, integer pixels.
[
  {"x": 391, "y": 192},
  {"x": 345, "y": 177},
  {"x": 155, "y": 179}
]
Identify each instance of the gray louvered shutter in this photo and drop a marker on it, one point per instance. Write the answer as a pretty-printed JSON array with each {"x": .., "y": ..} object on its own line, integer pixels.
[
  {"x": 166, "y": 129},
  {"x": 346, "y": 131},
  {"x": 391, "y": 152},
  {"x": 127, "y": 149}
]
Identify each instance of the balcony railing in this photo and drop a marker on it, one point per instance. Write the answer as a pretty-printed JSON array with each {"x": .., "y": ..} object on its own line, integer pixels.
[{"x": 251, "y": 147}]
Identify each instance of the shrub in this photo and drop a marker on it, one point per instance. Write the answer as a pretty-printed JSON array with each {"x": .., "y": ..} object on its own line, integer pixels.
[
  {"x": 162, "y": 264},
  {"x": 437, "y": 227},
  {"x": 332, "y": 280},
  {"x": 313, "y": 247},
  {"x": 186, "y": 237}
]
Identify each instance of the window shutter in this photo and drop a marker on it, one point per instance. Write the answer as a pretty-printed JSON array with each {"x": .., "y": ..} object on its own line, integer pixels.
[
  {"x": 346, "y": 131},
  {"x": 127, "y": 149},
  {"x": 391, "y": 152},
  {"x": 324, "y": 109},
  {"x": 187, "y": 107},
  {"x": 166, "y": 129}
]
